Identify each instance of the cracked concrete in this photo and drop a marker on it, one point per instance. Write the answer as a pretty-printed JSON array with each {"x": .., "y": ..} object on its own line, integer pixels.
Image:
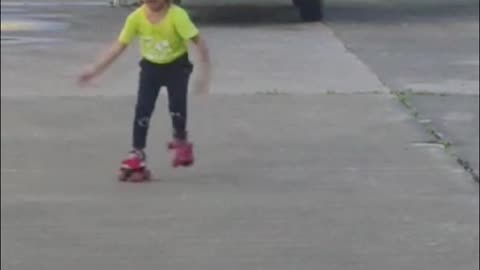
[{"x": 428, "y": 48}]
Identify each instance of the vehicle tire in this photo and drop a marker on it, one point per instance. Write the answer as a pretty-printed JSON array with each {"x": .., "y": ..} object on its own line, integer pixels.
[{"x": 310, "y": 10}]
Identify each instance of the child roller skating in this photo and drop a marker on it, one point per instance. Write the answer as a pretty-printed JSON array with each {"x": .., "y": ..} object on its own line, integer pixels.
[{"x": 164, "y": 31}]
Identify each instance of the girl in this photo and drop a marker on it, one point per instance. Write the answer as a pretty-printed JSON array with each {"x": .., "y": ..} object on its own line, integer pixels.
[{"x": 163, "y": 29}]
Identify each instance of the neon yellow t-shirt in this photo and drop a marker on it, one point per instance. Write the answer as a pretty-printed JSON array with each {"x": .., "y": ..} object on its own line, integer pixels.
[{"x": 162, "y": 42}]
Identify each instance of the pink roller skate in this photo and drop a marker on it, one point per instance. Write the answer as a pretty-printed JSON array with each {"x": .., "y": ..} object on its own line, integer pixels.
[
  {"x": 134, "y": 169},
  {"x": 183, "y": 155}
]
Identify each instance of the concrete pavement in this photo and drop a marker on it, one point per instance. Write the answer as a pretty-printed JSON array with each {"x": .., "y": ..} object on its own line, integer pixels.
[
  {"x": 455, "y": 119},
  {"x": 298, "y": 178},
  {"x": 428, "y": 49},
  {"x": 332, "y": 182}
]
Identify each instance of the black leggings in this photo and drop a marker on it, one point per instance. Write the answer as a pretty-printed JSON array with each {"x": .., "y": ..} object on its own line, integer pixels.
[{"x": 175, "y": 77}]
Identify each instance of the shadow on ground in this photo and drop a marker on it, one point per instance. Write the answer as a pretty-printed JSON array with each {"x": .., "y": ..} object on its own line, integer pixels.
[
  {"x": 244, "y": 15},
  {"x": 335, "y": 11},
  {"x": 400, "y": 11}
]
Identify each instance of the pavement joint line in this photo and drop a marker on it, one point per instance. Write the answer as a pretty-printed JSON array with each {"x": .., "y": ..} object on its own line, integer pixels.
[
  {"x": 439, "y": 140},
  {"x": 350, "y": 50},
  {"x": 54, "y": 3},
  {"x": 12, "y": 170},
  {"x": 404, "y": 98},
  {"x": 26, "y": 40}
]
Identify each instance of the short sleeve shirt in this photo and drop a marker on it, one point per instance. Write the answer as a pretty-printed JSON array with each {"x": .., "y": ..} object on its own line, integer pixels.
[{"x": 162, "y": 42}]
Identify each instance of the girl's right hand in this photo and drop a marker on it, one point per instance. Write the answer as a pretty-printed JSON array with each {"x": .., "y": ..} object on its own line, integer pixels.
[
  {"x": 103, "y": 61},
  {"x": 87, "y": 75}
]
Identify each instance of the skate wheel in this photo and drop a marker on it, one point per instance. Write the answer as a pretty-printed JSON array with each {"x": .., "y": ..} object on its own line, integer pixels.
[
  {"x": 171, "y": 145},
  {"x": 143, "y": 175},
  {"x": 180, "y": 163},
  {"x": 137, "y": 177},
  {"x": 123, "y": 175},
  {"x": 147, "y": 175},
  {"x": 186, "y": 163}
]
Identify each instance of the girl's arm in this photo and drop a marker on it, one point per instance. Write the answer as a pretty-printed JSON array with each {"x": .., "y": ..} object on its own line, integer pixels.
[
  {"x": 202, "y": 49},
  {"x": 103, "y": 61}
]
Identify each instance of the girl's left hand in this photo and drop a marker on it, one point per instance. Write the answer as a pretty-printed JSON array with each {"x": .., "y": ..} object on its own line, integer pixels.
[
  {"x": 86, "y": 76},
  {"x": 202, "y": 87}
]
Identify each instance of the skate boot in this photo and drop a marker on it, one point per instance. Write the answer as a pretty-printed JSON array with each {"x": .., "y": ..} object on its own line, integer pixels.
[
  {"x": 183, "y": 153},
  {"x": 134, "y": 168}
]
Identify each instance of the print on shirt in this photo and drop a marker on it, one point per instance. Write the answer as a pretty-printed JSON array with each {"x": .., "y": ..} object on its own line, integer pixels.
[{"x": 159, "y": 50}]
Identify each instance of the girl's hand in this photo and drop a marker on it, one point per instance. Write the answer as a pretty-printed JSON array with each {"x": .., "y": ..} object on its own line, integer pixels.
[
  {"x": 103, "y": 61},
  {"x": 87, "y": 75},
  {"x": 203, "y": 83},
  {"x": 202, "y": 86}
]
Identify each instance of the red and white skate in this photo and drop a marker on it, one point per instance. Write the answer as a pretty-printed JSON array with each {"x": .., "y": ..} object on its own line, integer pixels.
[
  {"x": 134, "y": 169},
  {"x": 183, "y": 153}
]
